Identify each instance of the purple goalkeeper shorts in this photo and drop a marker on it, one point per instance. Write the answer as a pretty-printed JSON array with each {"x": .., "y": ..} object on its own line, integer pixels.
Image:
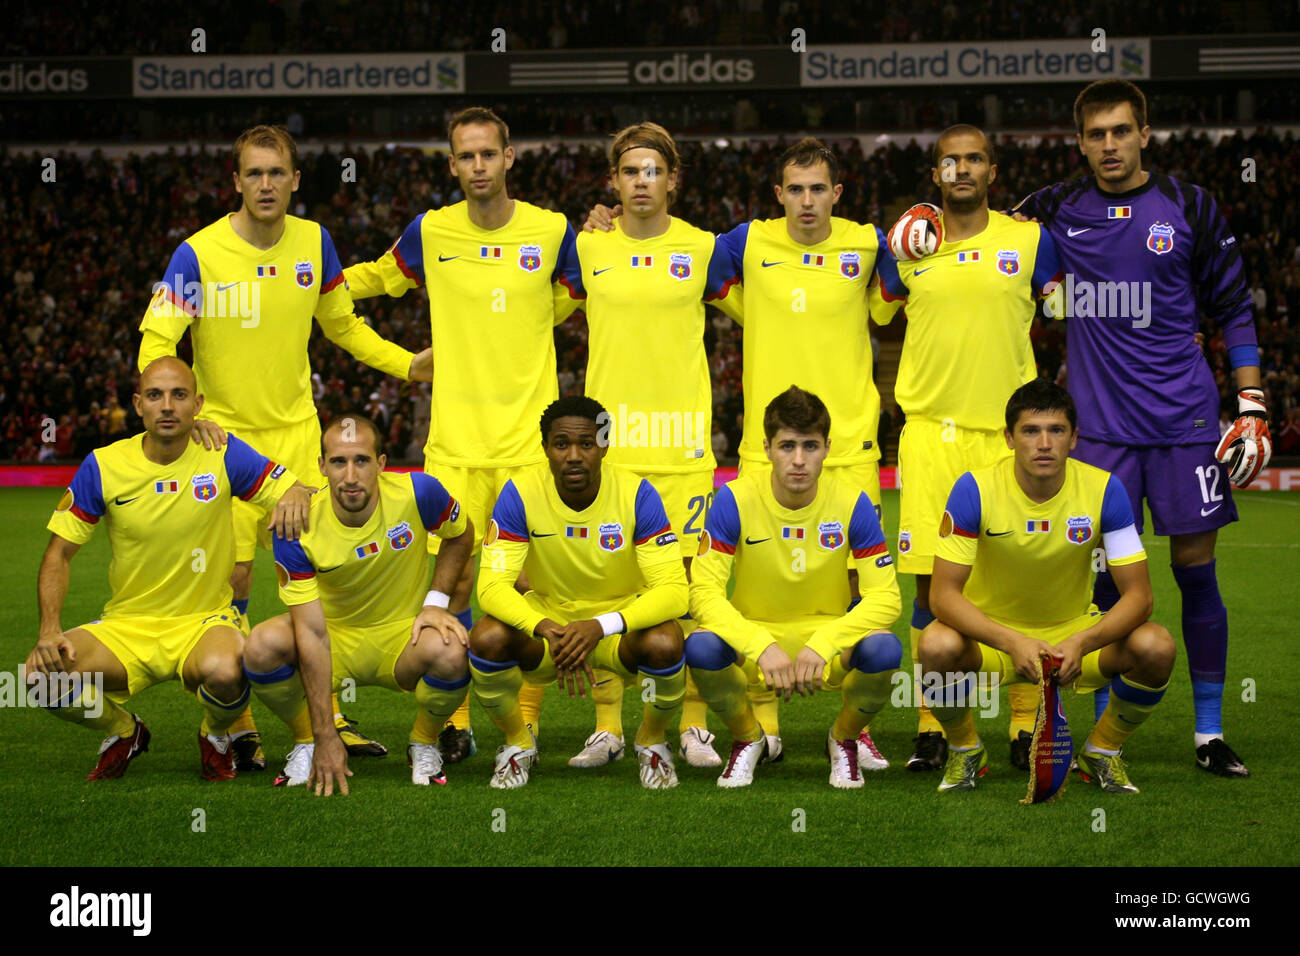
[{"x": 1187, "y": 490}]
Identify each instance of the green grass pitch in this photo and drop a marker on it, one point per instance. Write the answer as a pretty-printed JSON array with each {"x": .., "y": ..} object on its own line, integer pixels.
[{"x": 49, "y": 814}]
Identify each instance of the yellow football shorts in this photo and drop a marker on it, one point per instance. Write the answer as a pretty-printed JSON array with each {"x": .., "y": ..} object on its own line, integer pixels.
[
  {"x": 477, "y": 490},
  {"x": 368, "y": 655},
  {"x": 154, "y": 649},
  {"x": 297, "y": 447},
  {"x": 931, "y": 457},
  {"x": 1091, "y": 678},
  {"x": 687, "y": 497}
]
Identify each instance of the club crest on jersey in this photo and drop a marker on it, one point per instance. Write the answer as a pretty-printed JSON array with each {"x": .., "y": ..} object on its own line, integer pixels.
[
  {"x": 611, "y": 536},
  {"x": 530, "y": 258},
  {"x": 679, "y": 266},
  {"x": 904, "y": 542},
  {"x": 850, "y": 264},
  {"x": 1160, "y": 238},
  {"x": 1008, "y": 261},
  {"x": 304, "y": 274},
  {"x": 400, "y": 538},
  {"x": 830, "y": 535},
  {"x": 1079, "y": 529},
  {"x": 205, "y": 486}
]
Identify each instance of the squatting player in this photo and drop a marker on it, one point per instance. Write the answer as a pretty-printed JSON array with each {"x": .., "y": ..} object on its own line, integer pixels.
[
  {"x": 356, "y": 586},
  {"x": 167, "y": 504},
  {"x": 645, "y": 284},
  {"x": 975, "y": 296},
  {"x": 1147, "y": 400},
  {"x": 492, "y": 268},
  {"x": 607, "y": 588},
  {"x": 247, "y": 288},
  {"x": 787, "y": 532},
  {"x": 1011, "y": 585},
  {"x": 805, "y": 315}
]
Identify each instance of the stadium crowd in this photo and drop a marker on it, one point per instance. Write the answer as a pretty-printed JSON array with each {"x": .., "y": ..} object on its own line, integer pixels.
[
  {"x": 80, "y": 256},
  {"x": 77, "y": 27}
]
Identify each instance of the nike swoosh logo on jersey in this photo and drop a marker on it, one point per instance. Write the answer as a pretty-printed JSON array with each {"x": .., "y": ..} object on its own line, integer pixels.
[
  {"x": 996, "y": 534},
  {"x": 226, "y": 287},
  {"x": 1077, "y": 232},
  {"x": 749, "y": 540},
  {"x": 917, "y": 272},
  {"x": 124, "y": 501},
  {"x": 442, "y": 258},
  {"x": 538, "y": 534},
  {"x": 328, "y": 570},
  {"x": 596, "y": 272},
  {"x": 1205, "y": 513},
  {"x": 768, "y": 265}
]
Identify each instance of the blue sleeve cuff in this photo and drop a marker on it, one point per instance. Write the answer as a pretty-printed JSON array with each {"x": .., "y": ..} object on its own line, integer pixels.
[{"x": 1243, "y": 355}]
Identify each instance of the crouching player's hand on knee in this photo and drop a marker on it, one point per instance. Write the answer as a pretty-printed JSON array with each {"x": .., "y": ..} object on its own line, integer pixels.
[
  {"x": 778, "y": 670},
  {"x": 442, "y": 622},
  {"x": 808, "y": 669}
]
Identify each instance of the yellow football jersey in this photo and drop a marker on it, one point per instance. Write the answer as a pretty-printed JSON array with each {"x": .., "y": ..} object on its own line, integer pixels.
[
  {"x": 805, "y": 319},
  {"x": 792, "y": 566},
  {"x": 1032, "y": 561},
  {"x": 494, "y": 298},
  {"x": 249, "y": 312},
  {"x": 377, "y": 573},
  {"x": 969, "y": 308},
  {"x": 618, "y": 554},
  {"x": 646, "y": 363},
  {"x": 169, "y": 526}
]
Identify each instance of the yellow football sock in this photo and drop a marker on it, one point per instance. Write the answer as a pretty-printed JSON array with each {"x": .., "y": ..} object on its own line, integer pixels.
[
  {"x": 109, "y": 717},
  {"x": 608, "y": 697},
  {"x": 724, "y": 690},
  {"x": 951, "y": 709},
  {"x": 695, "y": 712},
  {"x": 926, "y": 722},
  {"x": 1024, "y": 708},
  {"x": 498, "y": 692},
  {"x": 530, "y": 703},
  {"x": 243, "y": 724},
  {"x": 218, "y": 715},
  {"x": 767, "y": 710},
  {"x": 1130, "y": 704},
  {"x": 460, "y": 719},
  {"x": 437, "y": 700},
  {"x": 669, "y": 689},
  {"x": 282, "y": 693},
  {"x": 864, "y": 694}
]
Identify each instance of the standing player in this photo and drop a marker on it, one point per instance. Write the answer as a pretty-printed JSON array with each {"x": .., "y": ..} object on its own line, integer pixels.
[
  {"x": 247, "y": 287},
  {"x": 1011, "y": 585},
  {"x": 788, "y": 531},
  {"x": 607, "y": 588},
  {"x": 805, "y": 317},
  {"x": 974, "y": 296},
  {"x": 645, "y": 284},
  {"x": 492, "y": 267},
  {"x": 355, "y": 585},
  {"x": 167, "y": 503},
  {"x": 1148, "y": 402}
]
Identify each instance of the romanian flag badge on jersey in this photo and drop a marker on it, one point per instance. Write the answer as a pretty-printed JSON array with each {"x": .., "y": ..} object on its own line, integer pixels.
[
  {"x": 1037, "y": 527},
  {"x": 791, "y": 533},
  {"x": 166, "y": 487},
  {"x": 1052, "y": 749},
  {"x": 367, "y": 549},
  {"x": 972, "y": 256},
  {"x": 574, "y": 531},
  {"x": 489, "y": 252},
  {"x": 642, "y": 262},
  {"x": 812, "y": 259},
  {"x": 1119, "y": 212}
]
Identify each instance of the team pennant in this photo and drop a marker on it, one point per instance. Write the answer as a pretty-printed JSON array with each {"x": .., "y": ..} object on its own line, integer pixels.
[{"x": 1052, "y": 749}]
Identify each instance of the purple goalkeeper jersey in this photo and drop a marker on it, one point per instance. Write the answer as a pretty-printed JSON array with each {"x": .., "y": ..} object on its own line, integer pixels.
[{"x": 1141, "y": 266}]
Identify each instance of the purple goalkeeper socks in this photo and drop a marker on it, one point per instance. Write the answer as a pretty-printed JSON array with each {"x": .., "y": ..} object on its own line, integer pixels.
[{"x": 1205, "y": 635}]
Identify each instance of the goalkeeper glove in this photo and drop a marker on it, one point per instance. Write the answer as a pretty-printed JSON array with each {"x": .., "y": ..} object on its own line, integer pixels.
[
  {"x": 1247, "y": 446},
  {"x": 918, "y": 232}
]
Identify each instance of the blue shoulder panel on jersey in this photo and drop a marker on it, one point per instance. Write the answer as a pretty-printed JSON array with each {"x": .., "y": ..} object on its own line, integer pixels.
[
  {"x": 891, "y": 283},
  {"x": 331, "y": 270},
  {"x": 1047, "y": 263},
  {"x": 568, "y": 270},
  {"x": 727, "y": 264},
  {"x": 964, "y": 506},
  {"x": 183, "y": 276},
  {"x": 408, "y": 251},
  {"x": 651, "y": 519},
  {"x": 1116, "y": 508},
  {"x": 87, "y": 489},
  {"x": 432, "y": 499},
  {"x": 723, "y": 521},
  {"x": 247, "y": 469},
  {"x": 291, "y": 556},
  {"x": 864, "y": 526},
  {"x": 509, "y": 514}
]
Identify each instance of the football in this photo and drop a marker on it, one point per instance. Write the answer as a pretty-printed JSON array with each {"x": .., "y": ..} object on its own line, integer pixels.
[{"x": 918, "y": 232}]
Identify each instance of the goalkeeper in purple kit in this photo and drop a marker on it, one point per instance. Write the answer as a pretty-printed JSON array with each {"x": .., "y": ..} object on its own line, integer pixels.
[{"x": 1145, "y": 255}]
